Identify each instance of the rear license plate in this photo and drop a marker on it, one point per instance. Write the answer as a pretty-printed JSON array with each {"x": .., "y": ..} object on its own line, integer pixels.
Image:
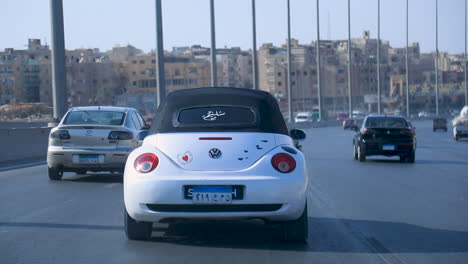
[
  {"x": 236, "y": 191},
  {"x": 88, "y": 159},
  {"x": 388, "y": 147},
  {"x": 212, "y": 195}
]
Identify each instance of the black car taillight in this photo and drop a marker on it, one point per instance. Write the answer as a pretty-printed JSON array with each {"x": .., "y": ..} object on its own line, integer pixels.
[
  {"x": 407, "y": 132},
  {"x": 60, "y": 134},
  {"x": 369, "y": 132},
  {"x": 120, "y": 135}
]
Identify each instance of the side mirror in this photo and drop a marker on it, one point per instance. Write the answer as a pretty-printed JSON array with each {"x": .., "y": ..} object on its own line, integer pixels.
[
  {"x": 142, "y": 135},
  {"x": 297, "y": 134}
]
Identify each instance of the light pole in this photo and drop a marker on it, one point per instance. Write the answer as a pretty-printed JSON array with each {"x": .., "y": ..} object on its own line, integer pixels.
[
  {"x": 254, "y": 49},
  {"x": 214, "y": 73},
  {"x": 319, "y": 86},
  {"x": 289, "y": 66},
  {"x": 59, "y": 84},
  {"x": 161, "y": 80},
  {"x": 349, "y": 61},
  {"x": 379, "y": 110},
  {"x": 407, "y": 64},
  {"x": 466, "y": 74},
  {"x": 437, "y": 60}
]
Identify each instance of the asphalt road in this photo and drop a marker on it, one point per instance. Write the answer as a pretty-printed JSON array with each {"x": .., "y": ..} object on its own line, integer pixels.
[{"x": 380, "y": 211}]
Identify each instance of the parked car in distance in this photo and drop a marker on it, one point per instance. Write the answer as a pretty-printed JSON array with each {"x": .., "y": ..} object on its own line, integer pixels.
[
  {"x": 424, "y": 114},
  {"x": 342, "y": 116},
  {"x": 460, "y": 129},
  {"x": 439, "y": 123},
  {"x": 387, "y": 136},
  {"x": 94, "y": 138},
  {"x": 350, "y": 124},
  {"x": 149, "y": 121},
  {"x": 217, "y": 153},
  {"x": 303, "y": 117}
]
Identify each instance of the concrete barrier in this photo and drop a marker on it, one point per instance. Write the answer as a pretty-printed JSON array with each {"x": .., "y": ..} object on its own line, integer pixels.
[
  {"x": 31, "y": 143},
  {"x": 22, "y": 124},
  {"x": 23, "y": 144}
]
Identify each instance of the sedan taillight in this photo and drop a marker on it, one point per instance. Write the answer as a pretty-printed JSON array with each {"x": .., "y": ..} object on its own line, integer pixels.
[
  {"x": 283, "y": 163},
  {"x": 120, "y": 135},
  {"x": 369, "y": 132},
  {"x": 146, "y": 162},
  {"x": 60, "y": 134},
  {"x": 407, "y": 132}
]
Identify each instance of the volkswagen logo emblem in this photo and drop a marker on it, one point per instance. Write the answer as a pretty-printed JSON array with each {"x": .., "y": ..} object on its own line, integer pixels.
[{"x": 215, "y": 153}]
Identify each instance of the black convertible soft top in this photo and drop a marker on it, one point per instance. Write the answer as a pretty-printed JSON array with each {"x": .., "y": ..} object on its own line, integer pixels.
[{"x": 219, "y": 110}]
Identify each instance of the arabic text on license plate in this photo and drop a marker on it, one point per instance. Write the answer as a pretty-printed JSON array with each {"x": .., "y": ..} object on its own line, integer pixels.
[
  {"x": 89, "y": 159},
  {"x": 388, "y": 147},
  {"x": 212, "y": 195}
]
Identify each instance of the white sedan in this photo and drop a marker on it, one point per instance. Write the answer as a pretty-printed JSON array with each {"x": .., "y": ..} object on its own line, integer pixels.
[{"x": 217, "y": 153}]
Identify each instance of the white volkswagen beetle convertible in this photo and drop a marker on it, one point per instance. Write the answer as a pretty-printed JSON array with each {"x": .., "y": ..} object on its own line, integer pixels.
[{"x": 217, "y": 153}]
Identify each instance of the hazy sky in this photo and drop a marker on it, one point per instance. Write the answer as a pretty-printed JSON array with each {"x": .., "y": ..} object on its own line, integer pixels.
[{"x": 105, "y": 23}]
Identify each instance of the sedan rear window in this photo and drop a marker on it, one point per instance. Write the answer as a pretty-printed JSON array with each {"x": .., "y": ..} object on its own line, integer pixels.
[
  {"x": 95, "y": 118},
  {"x": 386, "y": 122},
  {"x": 216, "y": 116}
]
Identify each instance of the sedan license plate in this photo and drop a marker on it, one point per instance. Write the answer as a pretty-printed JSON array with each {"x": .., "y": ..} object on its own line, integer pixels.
[
  {"x": 388, "y": 147},
  {"x": 212, "y": 195},
  {"x": 88, "y": 159}
]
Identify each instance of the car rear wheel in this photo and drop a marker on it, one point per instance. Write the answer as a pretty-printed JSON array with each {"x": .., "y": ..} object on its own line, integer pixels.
[
  {"x": 355, "y": 155},
  {"x": 137, "y": 230},
  {"x": 456, "y": 137},
  {"x": 411, "y": 157},
  {"x": 361, "y": 154},
  {"x": 402, "y": 158},
  {"x": 55, "y": 174},
  {"x": 296, "y": 230}
]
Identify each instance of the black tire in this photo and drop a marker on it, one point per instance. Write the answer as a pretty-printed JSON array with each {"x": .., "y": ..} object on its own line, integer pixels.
[
  {"x": 411, "y": 157},
  {"x": 402, "y": 158},
  {"x": 55, "y": 174},
  {"x": 355, "y": 155},
  {"x": 137, "y": 230},
  {"x": 456, "y": 137},
  {"x": 297, "y": 230},
  {"x": 361, "y": 154}
]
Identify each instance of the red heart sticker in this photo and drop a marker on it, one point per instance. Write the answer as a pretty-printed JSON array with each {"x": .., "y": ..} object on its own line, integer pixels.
[{"x": 185, "y": 158}]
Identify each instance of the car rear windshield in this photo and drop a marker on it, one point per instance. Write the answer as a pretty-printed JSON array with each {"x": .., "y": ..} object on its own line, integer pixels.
[
  {"x": 95, "y": 117},
  {"x": 386, "y": 122},
  {"x": 216, "y": 116}
]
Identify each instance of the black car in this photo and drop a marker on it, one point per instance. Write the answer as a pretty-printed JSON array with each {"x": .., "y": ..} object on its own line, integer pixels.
[
  {"x": 439, "y": 123},
  {"x": 385, "y": 135}
]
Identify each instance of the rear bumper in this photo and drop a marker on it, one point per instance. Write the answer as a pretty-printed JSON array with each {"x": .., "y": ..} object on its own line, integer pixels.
[
  {"x": 265, "y": 197},
  {"x": 66, "y": 159},
  {"x": 374, "y": 148}
]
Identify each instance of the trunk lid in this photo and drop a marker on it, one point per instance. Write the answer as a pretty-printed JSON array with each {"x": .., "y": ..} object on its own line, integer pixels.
[
  {"x": 198, "y": 151},
  {"x": 91, "y": 137}
]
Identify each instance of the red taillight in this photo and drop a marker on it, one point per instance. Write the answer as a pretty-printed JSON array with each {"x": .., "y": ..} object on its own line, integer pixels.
[
  {"x": 283, "y": 162},
  {"x": 407, "y": 132},
  {"x": 369, "y": 132},
  {"x": 146, "y": 162}
]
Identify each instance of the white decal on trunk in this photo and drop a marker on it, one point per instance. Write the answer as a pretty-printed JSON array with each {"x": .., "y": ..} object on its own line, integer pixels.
[{"x": 212, "y": 116}]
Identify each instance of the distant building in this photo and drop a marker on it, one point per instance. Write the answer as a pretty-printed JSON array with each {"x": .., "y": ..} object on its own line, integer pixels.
[{"x": 20, "y": 73}]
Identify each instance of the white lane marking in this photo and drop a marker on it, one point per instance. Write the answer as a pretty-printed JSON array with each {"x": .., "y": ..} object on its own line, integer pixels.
[
  {"x": 111, "y": 185},
  {"x": 21, "y": 166}
]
